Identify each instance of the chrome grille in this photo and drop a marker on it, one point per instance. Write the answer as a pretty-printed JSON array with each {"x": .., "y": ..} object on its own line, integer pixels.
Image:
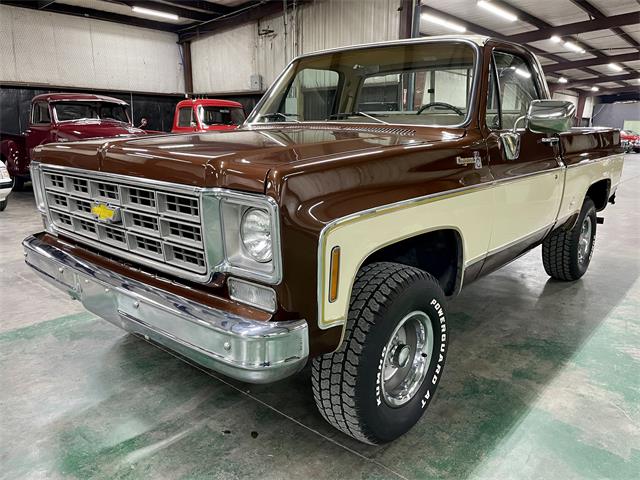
[{"x": 152, "y": 224}]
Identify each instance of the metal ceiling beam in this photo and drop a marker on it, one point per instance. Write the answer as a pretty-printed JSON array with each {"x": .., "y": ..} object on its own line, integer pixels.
[
  {"x": 96, "y": 14},
  {"x": 578, "y": 27},
  {"x": 597, "y": 14},
  {"x": 589, "y": 82},
  {"x": 590, "y": 62},
  {"x": 540, "y": 24},
  {"x": 610, "y": 91},
  {"x": 485, "y": 31},
  {"x": 199, "y": 5},
  {"x": 247, "y": 12}
]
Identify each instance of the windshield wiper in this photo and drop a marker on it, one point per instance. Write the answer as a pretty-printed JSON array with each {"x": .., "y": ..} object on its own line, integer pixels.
[
  {"x": 276, "y": 115},
  {"x": 361, "y": 114}
]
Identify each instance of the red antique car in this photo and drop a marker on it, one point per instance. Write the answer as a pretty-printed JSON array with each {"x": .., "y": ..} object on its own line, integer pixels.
[
  {"x": 630, "y": 140},
  {"x": 206, "y": 114},
  {"x": 61, "y": 117}
]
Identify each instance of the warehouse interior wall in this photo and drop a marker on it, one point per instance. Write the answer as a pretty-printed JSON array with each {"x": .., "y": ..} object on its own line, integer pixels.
[
  {"x": 224, "y": 62},
  {"x": 616, "y": 114},
  {"x": 44, "y": 48}
]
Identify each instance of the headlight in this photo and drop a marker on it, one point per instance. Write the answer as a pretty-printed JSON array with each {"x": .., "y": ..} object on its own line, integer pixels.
[
  {"x": 255, "y": 232},
  {"x": 245, "y": 239}
]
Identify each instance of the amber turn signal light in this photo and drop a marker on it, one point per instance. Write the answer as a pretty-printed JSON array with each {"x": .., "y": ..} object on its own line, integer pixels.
[{"x": 335, "y": 272}]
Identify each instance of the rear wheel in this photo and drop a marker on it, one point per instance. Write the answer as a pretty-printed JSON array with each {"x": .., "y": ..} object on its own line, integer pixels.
[
  {"x": 377, "y": 385},
  {"x": 3, "y": 205},
  {"x": 566, "y": 254}
]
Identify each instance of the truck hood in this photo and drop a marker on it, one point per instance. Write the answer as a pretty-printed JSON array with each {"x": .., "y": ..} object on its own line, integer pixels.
[
  {"x": 238, "y": 159},
  {"x": 77, "y": 130}
]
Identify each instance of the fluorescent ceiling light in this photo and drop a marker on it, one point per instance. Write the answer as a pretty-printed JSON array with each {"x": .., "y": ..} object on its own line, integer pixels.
[
  {"x": 615, "y": 67},
  {"x": 562, "y": 80},
  {"x": 594, "y": 89},
  {"x": 155, "y": 13},
  {"x": 497, "y": 10},
  {"x": 555, "y": 39},
  {"x": 443, "y": 23},
  {"x": 574, "y": 47}
]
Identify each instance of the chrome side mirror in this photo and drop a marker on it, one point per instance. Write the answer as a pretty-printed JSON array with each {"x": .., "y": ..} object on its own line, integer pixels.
[{"x": 550, "y": 116}]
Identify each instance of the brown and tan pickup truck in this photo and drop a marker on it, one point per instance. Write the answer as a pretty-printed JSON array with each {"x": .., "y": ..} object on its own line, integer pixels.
[{"x": 368, "y": 186}]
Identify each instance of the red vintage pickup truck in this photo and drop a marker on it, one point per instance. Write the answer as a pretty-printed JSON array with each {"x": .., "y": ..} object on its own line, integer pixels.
[
  {"x": 62, "y": 117},
  {"x": 206, "y": 115}
]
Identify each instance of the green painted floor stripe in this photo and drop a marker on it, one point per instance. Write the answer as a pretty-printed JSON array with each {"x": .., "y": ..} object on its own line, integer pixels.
[{"x": 46, "y": 327}]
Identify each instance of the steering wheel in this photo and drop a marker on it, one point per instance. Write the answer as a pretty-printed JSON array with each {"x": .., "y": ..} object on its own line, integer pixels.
[{"x": 439, "y": 104}]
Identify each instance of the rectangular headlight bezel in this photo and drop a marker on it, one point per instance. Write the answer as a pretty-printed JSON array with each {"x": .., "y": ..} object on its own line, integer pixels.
[{"x": 224, "y": 242}]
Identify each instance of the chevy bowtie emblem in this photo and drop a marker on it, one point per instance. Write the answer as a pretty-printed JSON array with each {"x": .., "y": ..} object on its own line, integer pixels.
[{"x": 105, "y": 213}]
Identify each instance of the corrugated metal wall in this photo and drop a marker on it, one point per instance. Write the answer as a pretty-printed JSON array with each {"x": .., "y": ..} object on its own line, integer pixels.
[
  {"x": 224, "y": 62},
  {"x": 61, "y": 50}
]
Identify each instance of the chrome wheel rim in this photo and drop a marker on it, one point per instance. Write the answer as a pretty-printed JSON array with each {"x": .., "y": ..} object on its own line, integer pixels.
[
  {"x": 407, "y": 358},
  {"x": 584, "y": 240}
]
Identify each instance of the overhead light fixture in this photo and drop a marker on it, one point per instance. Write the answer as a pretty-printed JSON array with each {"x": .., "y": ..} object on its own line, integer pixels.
[
  {"x": 555, "y": 39},
  {"x": 497, "y": 10},
  {"x": 155, "y": 13},
  {"x": 443, "y": 23},
  {"x": 595, "y": 89},
  {"x": 615, "y": 67},
  {"x": 562, "y": 80},
  {"x": 574, "y": 47}
]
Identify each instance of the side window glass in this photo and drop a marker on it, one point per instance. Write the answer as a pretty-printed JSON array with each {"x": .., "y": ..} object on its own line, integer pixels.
[
  {"x": 40, "y": 114},
  {"x": 185, "y": 117},
  {"x": 493, "y": 101},
  {"x": 517, "y": 87}
]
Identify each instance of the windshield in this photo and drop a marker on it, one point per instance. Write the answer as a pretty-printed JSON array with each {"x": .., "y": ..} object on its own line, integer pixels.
[
  {"x": 412, "y": 84},
  {"x": 67, "y": 111},
  {"x": 220, "y": 115}
]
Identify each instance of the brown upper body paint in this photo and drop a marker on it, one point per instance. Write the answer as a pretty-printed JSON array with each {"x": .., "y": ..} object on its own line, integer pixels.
[{"x": 320, "y": 172}]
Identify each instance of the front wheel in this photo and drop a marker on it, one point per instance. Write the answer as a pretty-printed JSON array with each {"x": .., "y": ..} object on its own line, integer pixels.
[
  {"x": 566, "y": 254},
  {"x": 377, "y": 385}
]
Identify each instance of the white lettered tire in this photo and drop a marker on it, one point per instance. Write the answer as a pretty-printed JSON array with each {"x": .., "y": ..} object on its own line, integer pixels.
[{"x": 377, "y": 385}]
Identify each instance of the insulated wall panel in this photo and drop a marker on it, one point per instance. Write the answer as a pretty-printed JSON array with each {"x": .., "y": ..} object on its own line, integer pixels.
[{"x": 52, "y": 49}]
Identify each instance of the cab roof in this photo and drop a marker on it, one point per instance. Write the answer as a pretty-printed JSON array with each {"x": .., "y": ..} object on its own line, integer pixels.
[
  {"x": 70, "y": 97},
  {"x": 209, "y": 102}
]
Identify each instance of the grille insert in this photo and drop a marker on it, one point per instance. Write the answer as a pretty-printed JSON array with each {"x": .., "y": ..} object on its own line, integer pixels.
[
  {"x": 78, "y": 186},
  {"x": 149, "y": 224},
  {"x": 176, "y": 205}
]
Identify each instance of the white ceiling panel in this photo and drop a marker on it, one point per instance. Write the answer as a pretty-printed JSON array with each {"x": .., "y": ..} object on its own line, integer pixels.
[
  {"x": 633, "y": 31},
  {"x": 606, "y": 70},
  {"x": 575, "y": 74},
  {"x": 616, "y": 7},
  {"x": 554, "y": 12},
  {"x": 635, "y": 64},
  {"x": 606, "y": 41},
  {"x": 468, "y": 10},
  {"x": 608, "y": 85}
]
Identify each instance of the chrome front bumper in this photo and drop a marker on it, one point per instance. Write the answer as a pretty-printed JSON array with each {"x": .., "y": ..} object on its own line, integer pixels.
[{"x": 248, "y": 350}]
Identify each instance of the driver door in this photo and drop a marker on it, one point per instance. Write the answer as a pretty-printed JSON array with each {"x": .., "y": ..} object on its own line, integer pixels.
[
  {"x": 39, "y": 130},
  {"x": 529, "y": 184}
]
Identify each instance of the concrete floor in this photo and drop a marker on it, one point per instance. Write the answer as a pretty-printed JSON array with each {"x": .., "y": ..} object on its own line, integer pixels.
[{"x": 542, "y": 381}]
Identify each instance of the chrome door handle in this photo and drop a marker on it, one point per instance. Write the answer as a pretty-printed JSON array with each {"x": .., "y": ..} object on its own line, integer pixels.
[{"x": 550, "y": 140}]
